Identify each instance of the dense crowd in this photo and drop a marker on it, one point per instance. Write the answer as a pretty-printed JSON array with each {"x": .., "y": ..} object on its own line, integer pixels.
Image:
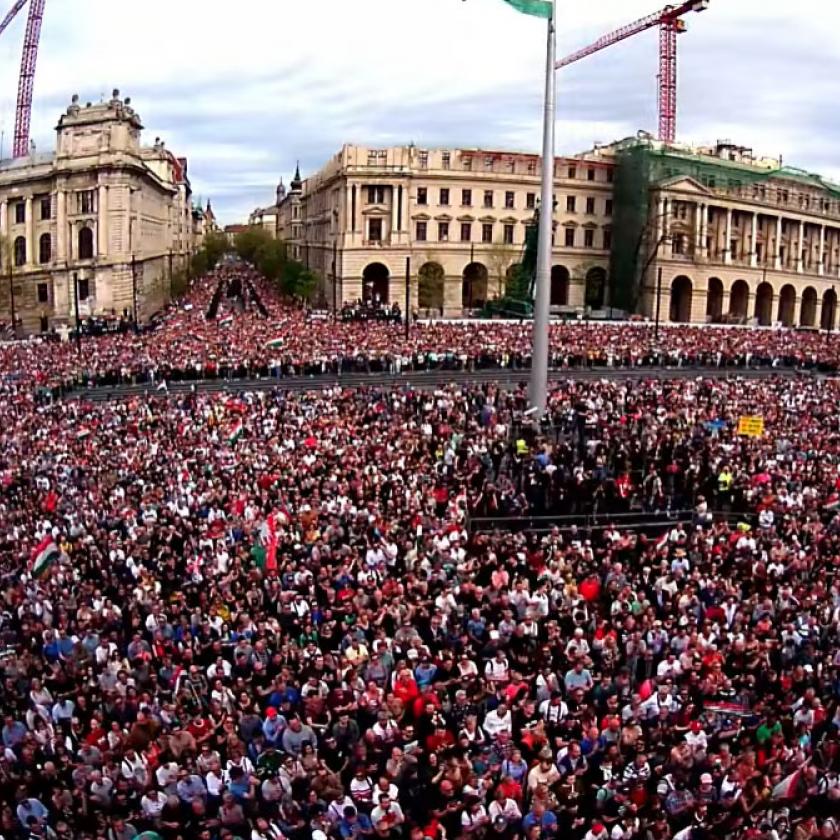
[
  {"x": 267, "y": 615},
  {"x": 276, "y": 340}
]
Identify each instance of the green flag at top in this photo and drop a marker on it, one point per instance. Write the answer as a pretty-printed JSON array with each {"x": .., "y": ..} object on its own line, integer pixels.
[{"x": 539, "y": 8}]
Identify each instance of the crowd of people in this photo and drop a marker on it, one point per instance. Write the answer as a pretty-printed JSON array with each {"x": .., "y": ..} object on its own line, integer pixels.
[
  {"x": 270, "y": 615},
  {"x": 272, "y": 339}
]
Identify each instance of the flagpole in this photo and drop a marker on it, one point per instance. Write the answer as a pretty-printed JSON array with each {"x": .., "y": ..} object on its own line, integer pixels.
[{"x": 538, "y": 389}]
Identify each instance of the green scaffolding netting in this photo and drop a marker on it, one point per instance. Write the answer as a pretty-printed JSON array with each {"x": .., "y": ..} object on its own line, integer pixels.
[{"x": 641, "y": 165}]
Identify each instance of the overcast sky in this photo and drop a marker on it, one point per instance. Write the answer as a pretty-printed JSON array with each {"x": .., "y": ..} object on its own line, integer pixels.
[{"x": 245, "y": 89}]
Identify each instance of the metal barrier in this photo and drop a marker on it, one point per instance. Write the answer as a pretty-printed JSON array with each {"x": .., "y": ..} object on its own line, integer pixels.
[{"x": 643, "y": 521}]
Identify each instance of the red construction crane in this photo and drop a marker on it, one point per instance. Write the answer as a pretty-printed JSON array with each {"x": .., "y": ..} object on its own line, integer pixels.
[
  {"x": 670, "y": 25},
  {"x": 28, "y": 62}
]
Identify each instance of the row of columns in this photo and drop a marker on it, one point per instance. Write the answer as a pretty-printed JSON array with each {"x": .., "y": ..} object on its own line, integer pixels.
[
  {"x": 701, "y": 233},
  {"x": 62, "y": 251}
]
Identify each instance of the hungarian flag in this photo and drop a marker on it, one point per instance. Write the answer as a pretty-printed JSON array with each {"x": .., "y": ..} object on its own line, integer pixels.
[
  {"x": 274, "y": 344},
  {"x": 538, "y": 8},
  {"x": 235, "y": 432},
  {"x": 226, "y": 322},
  {"x": 44, "y": 555},
  {"x": 271, "y": 545}
]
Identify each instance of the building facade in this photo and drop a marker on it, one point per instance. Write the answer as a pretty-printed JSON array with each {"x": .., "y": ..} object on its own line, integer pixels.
[
  {"x": 101, "y": 218},
  {"x": 725, "y": 236},
  {"x": 449, "y": 224}
]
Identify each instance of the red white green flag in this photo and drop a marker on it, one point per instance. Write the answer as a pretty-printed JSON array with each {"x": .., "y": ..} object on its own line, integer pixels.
[{"x": 45, "y": 554}]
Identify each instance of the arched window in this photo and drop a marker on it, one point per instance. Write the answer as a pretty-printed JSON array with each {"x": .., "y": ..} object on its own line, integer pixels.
[
  {"x": 45, "y": 248},
  {"x": 20, "y": 251},
  {"x": 86, "y": 244}
]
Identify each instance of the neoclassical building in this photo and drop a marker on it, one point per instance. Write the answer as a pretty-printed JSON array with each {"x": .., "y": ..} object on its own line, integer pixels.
[
  {"x": 459, "y": 215},
  {"x": 692, "y": 234},
  {"x": 101, "y": 216},
  {"x": 724, "y": 236}
]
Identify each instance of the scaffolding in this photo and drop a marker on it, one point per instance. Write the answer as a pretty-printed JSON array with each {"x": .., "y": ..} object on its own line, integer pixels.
[{"x": 643, "y": 164}]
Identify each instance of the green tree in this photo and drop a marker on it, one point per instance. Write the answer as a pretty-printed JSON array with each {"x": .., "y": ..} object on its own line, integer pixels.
[
  {"x": 298, "y": 281},
  {"x": 248, "y": 242},
  {"x": 270, "y": 260}
]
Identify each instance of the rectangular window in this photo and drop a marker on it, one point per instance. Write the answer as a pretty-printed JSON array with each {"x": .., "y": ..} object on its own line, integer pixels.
[
  {"x": 508, "y": 235},
  {"x": 530, "y": 201},
  {"x": 590, "y": 206},
  {"x": 570, "y": 204},
  {"x": 510, "y": 198},
  {"x": 372, "y": 157},
  {"x": 423, "y": 158},
  {"x": 443, "y": 231},
  {"x": 376, "y": 195},
  {"x": 572, "y": 173},
  {"x": 607, "y": 240},
  {"x": 446, "y": 160},
  {"x": 532, "y": 167},
  {"x": 83, "y": 285},
  {"x": 467, "y": 163},
  {"x": 589, "y": 238},
  {"x": 466, "y": 231},
  {"x": 444, "y": 197},
  {"x": 421, "y": 232},
  {"x": 488, "y": 198},
  {"x": 609, "y": 176},
  {"x": 487, "y": 233},
  {"x": 570, "y": 237},
  {"x": 511, "y": 165},
  {"x": 608, "y": 207},
  {"x": 422, "y": 196},
  {"x": 86, "y": 202},
  {"x": 374, "y": 230},
  {"x": 20, "y": 212},
  {"x": 46, "y": 208},
  {"x": 488, "y": 163},
  {"x": 466, "y": 198},
  {"x": 590, "y": 174},
  {"x": 43, "y": 293}
]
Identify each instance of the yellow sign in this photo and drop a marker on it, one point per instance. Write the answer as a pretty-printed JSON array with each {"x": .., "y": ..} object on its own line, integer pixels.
[{"x": 751, "y": 426}]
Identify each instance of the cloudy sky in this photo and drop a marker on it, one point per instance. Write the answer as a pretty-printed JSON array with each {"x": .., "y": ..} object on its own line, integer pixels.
[{"x": 245, "y": 89}]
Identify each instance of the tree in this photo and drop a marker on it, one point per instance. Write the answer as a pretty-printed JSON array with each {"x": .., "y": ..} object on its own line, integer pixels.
[
  {"x": 298, "y": 281},
  {"x": 500, "y": 257},
  {"x": 7, "y": 257},
  {"x": 270, "y": 260},
  {"x": 214, "y": 247},
  {"x": 249, "y": 242}
]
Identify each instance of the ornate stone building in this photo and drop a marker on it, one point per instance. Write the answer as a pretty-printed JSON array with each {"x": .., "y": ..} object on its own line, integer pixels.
[
  {"x": 101, "y": 216},
  {"x": 719, "y": 235},
  {"x": 695, "y": 234},
  {"x": 460, "y": 215}
]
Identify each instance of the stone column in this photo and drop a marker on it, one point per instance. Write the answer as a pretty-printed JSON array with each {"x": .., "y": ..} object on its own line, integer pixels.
[
  {"x": 663, "y": 213},
  {"x": 704, "y": 230},
  {"x": 102, "y": 222},
  {"x": 29, "y": 231},
  {"x": 777, "y": 257},
  {"x": 4, "y": 218},
  {"x": 821, "y": 257},
  {"x": 698, "y": 229},
  {"x": 754, "y": 242},
  {"x": 727, "y": 250},
  {"x": 61, "y": 226},
  {"x": 394, "y": 230},
  {"x": 799, "y": 241}
]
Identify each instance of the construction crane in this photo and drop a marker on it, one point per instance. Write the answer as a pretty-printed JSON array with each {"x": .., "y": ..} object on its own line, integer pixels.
[
  {"x": 28, "y": 63},
  {"x": 670, "y": 23}
]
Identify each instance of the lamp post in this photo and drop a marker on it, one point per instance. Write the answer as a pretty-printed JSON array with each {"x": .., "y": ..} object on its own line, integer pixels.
[
  {"x": 335, "y": 280},
  {"x": 538, "y": 387},
  {"x": 78, "y": 318},
  {"x": 407, "y": 293},
  {"x": 658, "y": 301},
  {"x": 134, "y": 288}
]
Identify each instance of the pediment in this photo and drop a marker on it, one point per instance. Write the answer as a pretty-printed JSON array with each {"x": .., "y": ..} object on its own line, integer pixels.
[
  {"x": 684, "y": 184},
  {"x": 375, "y": 211}
]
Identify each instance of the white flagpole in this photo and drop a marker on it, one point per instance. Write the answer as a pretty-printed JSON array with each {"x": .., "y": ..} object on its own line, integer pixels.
[{"x": 538, "y": 389}]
